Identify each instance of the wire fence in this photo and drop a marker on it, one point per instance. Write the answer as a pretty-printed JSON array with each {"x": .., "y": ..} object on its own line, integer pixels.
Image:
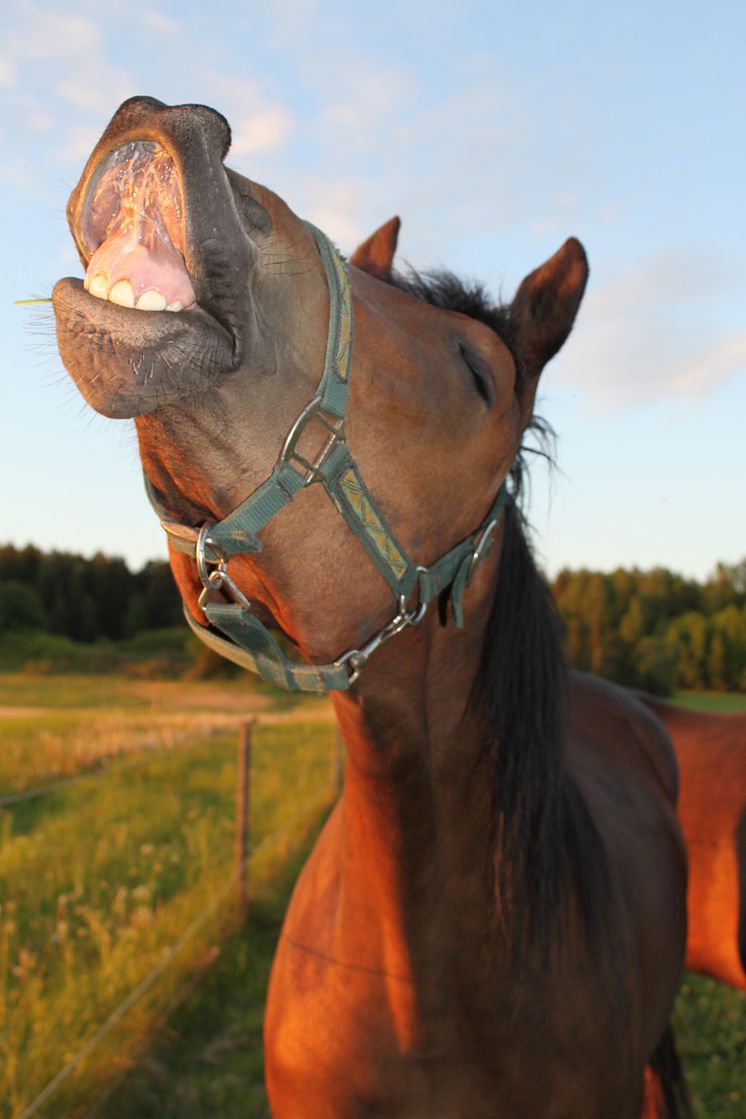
[{"x": 236, "y": 883}]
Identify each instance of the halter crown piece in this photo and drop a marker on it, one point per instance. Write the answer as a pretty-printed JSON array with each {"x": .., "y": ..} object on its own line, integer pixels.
[{"x": 247, "y": 641}]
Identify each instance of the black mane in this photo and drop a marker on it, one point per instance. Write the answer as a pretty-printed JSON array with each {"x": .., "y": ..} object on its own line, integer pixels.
[{"x": 548, "y": 852}]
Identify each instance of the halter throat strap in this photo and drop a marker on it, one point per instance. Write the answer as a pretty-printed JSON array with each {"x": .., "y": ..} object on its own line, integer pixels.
[{"x": 242, "y": 638}]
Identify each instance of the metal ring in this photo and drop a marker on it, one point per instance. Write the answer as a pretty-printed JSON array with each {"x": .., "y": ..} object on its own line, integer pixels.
[
  {"x": 481, "y": 548},
  {"x": 199, "y": 552}
]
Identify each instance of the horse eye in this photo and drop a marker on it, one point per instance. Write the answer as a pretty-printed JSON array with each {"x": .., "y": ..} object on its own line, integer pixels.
[{"x": 480, "y": 376}]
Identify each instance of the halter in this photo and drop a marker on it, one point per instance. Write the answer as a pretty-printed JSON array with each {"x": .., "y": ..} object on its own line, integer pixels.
[{"x": 246, "y": 640}]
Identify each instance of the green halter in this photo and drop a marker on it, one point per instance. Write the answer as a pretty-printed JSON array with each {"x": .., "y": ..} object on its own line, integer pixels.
[{"x": 247, "y": 641}]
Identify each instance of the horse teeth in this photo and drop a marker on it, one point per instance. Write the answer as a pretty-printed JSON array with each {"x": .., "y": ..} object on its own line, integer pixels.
[
  {"x": 151, "y": 300},
  {"x": 123, "y": 294},
  {"x": 98, "y": 285}
]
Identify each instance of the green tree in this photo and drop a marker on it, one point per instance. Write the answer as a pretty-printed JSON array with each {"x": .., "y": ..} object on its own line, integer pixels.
[
  {"x": 20, "y": 607},
  {"x": 654, "y": 665},
  {"x": 688, "y": 636}
]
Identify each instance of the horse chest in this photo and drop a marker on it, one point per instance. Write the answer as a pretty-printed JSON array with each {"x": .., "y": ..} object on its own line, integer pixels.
[{"x": 351, "y": 1044}]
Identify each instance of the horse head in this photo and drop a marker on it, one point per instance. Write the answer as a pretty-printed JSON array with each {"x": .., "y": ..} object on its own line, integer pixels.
[{"x": 205, "y": 314}]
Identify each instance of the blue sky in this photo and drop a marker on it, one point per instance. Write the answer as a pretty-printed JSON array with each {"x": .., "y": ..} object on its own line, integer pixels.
[{"x": 495, "y": 131}]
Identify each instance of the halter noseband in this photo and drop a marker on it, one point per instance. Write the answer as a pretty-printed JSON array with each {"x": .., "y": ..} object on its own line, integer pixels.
[{"x": 246, "y": 640}]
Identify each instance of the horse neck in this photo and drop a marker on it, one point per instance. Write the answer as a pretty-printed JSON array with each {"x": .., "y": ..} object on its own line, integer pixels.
[{"x": 414, "y": 848}]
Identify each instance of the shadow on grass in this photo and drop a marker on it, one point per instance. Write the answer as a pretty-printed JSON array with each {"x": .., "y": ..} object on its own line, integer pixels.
[{"x": 208, "y": 1060}]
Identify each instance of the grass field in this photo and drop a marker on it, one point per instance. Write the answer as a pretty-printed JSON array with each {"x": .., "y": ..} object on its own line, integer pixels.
[
  {"x": 99, "y": 878},
  {"x": 711, "y": 701}
]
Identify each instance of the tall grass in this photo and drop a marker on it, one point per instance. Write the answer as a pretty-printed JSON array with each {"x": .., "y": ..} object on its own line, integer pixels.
[{"x": 101, "y": 877}]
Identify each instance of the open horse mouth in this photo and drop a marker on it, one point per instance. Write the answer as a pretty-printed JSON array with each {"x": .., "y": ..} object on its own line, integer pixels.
[
  {"x": 162, "y": 306},
  {"x": 132, "y": 219}
]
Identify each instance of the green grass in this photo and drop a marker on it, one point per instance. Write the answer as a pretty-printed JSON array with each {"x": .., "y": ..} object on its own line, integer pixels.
[
  {"x": 100, "y": 877},
  {"x": 711, "y": 701},
  {"x": 81, "y": 692},
  {"x": 209, "y": 1060},
  {"x": 710, "y": 1025},
  {"x": 59, "y": 726}
]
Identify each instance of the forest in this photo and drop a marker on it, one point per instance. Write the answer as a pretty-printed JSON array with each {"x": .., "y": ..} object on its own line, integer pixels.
[
  {"x": 654, "y": 629},
  {"x": 657, "y": 630}
]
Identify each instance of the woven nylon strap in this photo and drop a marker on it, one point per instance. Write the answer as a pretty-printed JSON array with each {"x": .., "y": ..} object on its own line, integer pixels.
[{"x": 246, "y": 640}]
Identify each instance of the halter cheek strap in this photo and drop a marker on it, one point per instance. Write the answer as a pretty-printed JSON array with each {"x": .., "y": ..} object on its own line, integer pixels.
[{"x": 245, "y": 640}]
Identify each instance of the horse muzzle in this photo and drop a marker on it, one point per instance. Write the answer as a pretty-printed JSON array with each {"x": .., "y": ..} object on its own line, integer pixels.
[{"x": 163, "y": 306}]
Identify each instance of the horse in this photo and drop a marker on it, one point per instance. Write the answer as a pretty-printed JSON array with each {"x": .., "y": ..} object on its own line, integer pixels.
[
  {"x": 492, "y": 922},
  {"x": 710, "y": 750}
]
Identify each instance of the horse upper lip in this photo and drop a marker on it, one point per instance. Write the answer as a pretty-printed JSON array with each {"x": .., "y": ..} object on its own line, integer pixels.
[{"x": 127, "y": 361}]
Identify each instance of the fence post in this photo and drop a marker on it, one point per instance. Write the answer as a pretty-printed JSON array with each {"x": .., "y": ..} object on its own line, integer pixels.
[{"x": 242, "y": 813}]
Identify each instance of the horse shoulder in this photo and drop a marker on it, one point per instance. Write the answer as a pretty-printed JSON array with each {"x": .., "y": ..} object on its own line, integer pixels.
[
  {"x": 622, "y": 761},
  {"x": 624, "y": 730}
]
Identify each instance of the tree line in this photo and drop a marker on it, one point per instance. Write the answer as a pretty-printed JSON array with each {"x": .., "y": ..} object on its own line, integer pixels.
[
  {"x": 84, "y": 599},
  {"x": 656, "y": 630},
  {"x": 647, "y": 629}
]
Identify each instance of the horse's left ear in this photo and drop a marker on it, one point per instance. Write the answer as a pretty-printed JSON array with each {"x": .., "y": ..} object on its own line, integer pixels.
[
  {"x": 376, "y": 255},
  {"x": 544, "y": 309}
]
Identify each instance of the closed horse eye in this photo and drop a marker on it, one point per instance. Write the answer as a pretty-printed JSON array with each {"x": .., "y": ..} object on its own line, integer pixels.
[{"x": 480, "y": 376}]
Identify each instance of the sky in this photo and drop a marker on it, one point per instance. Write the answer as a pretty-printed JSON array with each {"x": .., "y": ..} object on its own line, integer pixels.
[{"x": 495, "y": 131}]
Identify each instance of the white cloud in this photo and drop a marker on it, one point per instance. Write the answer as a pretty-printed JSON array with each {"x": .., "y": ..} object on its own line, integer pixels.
[
  {"x": 719, "y": 362},
  {"x": 97, "y": 87},
  {"x": 652, "y": 333},
  {"x": 56, "y": 36},
  {"x": 8, "y": 73},
  {"x": 339, "y": 210},
  {"x": 160, "y": 24},
  {"x": 261, "y": 131},
  {"x": 258, "y": 123}
]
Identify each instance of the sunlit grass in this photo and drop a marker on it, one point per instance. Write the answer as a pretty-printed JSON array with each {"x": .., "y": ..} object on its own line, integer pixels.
[
  {"x": 49, "y": 747},
  {"x": 101, "y": 877},
  {"x": 711, "y": 701}
]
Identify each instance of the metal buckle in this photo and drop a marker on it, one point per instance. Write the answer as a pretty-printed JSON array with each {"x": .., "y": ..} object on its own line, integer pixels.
[
  {"x": 481, "y": 548},
  {"x": 356, "y": 659},
  {"x": 334, "y": 425},
  {"x": 217, "y": 579}
]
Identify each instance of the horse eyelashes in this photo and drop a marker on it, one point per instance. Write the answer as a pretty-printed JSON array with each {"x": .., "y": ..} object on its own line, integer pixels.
[{"x": 481, "y": 381}]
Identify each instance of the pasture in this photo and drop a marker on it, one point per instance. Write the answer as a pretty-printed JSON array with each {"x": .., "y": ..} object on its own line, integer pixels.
[{"x": 101, "y": 876}]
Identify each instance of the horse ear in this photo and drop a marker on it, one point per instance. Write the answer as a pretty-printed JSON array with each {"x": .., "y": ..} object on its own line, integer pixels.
[
  {"x": 545, "y": 305},
  {"x": 376, "y": 255}
]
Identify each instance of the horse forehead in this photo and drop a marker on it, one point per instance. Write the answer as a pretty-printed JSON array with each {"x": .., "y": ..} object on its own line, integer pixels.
[
  {"x": 408, "y": 346},
  {"x": 428, "y": 332},
  {"x": 399, "y": 309}
]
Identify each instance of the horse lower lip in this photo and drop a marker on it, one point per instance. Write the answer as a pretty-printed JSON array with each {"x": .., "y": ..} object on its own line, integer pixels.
[{"x": 127, "y": 363}]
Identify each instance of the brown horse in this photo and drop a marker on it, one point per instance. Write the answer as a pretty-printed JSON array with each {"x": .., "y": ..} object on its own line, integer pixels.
[
  {"x": 711, "y": 753},
  {"x": 492, "y": 922}
]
